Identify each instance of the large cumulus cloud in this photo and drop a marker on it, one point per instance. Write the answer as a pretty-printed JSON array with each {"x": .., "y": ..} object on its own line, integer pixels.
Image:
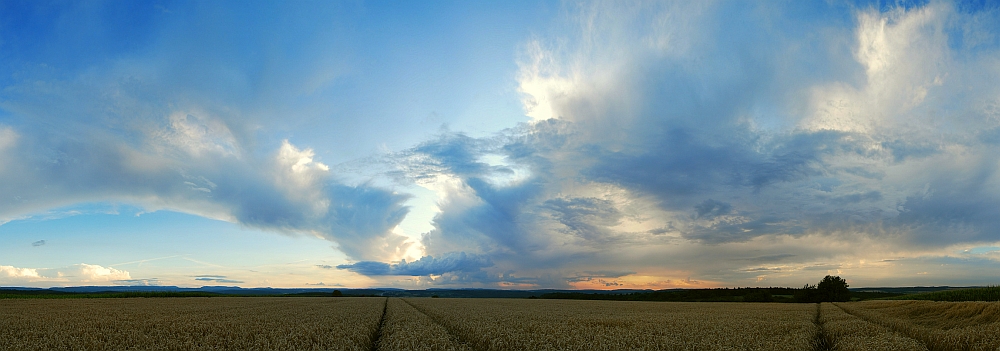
[
  {"x": 163, "y": 121},
  {"x": 733, "y": 142},
  {"x": 285, "y": 190},
  {"x": 425, "y": 266},
  {"x": 78, "y": 274}
]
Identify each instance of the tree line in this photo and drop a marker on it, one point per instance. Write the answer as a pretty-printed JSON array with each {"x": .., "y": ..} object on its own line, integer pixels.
[{"x": 830, "y": 289}]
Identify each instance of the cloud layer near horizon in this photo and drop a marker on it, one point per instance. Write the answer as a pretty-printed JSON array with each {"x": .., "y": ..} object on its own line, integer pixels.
[{"x": 78, "y": 274}]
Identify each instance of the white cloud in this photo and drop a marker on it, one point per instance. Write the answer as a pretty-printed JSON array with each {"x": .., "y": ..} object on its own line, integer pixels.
[
  {"x": 301, "y": 177},
  {"x": 7, "y": 137},
  {"x": 193, "y": 164},
  {"x": 13, "y": 274},
  {"x": 90, "y": 273},
  {"x": 196, "y": 132},
  {"x": 558, "y": 73},
  {"x": 77, "y": 274},
  {"x": 905, "y": 54},
  {"x": 541, "y": 84},
  {"x": 8, "y": 140}
]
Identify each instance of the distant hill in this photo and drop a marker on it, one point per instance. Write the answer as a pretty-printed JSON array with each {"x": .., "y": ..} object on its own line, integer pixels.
[
  {"x": 151, "y": 291},
  {"x": 774, "y": 294}
]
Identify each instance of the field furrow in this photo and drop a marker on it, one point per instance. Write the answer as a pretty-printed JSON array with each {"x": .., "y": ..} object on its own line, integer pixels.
[
  {"x": 820, "y": 341},
  {"x": 376, "y": 339},
  {"x": 942, "y": 326},
  {"x": 406, "y": 328},
  {"x": 846, "y": 332},
  {"x": 496, "y": 324}
]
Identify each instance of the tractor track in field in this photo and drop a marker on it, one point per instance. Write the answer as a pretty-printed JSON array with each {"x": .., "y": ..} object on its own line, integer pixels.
[
  {"x": 377, "y": 336},
  {"x": 821, "y": 343},
  {"x": 453, "y": 334},
  {"x": 890, "y": 327}
]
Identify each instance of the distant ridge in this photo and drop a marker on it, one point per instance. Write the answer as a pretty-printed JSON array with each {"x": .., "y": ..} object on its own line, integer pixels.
[
  {"x": 235, "y": 290},
  {"x": 396, "y": 292}
]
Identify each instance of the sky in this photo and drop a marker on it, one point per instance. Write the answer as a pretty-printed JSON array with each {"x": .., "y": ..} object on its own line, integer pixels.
[{"x": 515, "y": 145}]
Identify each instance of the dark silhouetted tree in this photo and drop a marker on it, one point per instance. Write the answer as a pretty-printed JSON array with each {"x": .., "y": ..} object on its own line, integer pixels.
[
  {"x": 336, "y": 293},
  {"x": 758, "y": 295},
  {"x": 808, "y": 293},
  {"x": 833, "y": 288}
]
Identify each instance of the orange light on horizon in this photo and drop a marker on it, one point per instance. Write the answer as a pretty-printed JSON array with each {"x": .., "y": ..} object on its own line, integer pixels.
[{"x": 643, "y": 282}]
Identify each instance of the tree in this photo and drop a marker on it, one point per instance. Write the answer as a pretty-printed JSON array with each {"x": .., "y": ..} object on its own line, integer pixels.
[
  {"x": 758, "y": 295},
  {"x": 808, "y": 293},
  {"x": 833, "y": 288},
  {"x": 336, "y": 293}
]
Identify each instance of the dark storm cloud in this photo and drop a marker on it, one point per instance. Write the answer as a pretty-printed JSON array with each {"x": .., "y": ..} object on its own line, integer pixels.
[
  {"x": 597, "y": 275},
  {"x": 738, "y": 231},
  {"x": 685, "y": 164},
  {"x": 854, "y": 198},
  {"x": 585, "y": 217},
  {"x": 139, "y": 282},
  {"x": 456, "y": 153},
  {"x": 711, "y": 208},
  {"x": 368, "y": 268},
  {"x": 908, "y": 149},
  {"x": 216, "y": 279},
  {"x": 500, "y": 216},
  {"x": 453, "y": 262},
  {"x": 956, "y": 209},
  {"x": 766, "y": 258}
]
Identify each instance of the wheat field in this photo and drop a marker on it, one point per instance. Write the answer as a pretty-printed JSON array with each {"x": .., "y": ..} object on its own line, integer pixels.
[
  {"x": 622, "y": 325},
  {"x": 230, "y": 323},
  {"x": 276, "y": 323},
  {"x": 941, "y": 326},
  {"x": 846, "y": 332}
]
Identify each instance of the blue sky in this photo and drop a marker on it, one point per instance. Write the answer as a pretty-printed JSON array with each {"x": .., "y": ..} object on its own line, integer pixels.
[{"x": 514, "y": 145}]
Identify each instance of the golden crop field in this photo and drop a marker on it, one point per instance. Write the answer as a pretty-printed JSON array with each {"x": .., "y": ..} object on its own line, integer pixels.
[
  {"x": 197, "y": 323},
  {"x": 405, "y": 328},
  {"x": 284, "y": 323},
  {"x": 846, "y": 332},
  {"x": 505, "y": 324},
  {"x": 940, "y": 326}
]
